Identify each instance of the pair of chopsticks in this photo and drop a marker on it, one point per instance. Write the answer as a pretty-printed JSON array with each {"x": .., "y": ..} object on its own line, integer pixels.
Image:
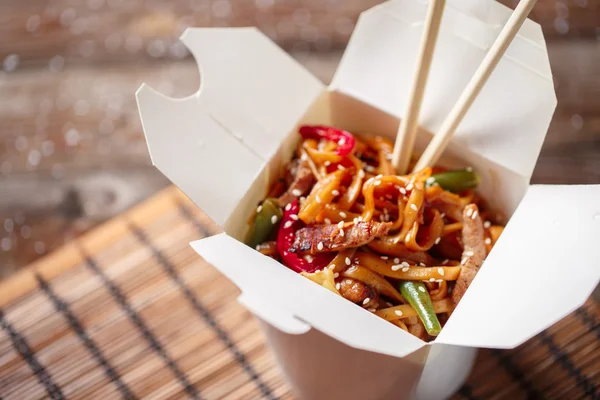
[{"x": 405, "y": 140}]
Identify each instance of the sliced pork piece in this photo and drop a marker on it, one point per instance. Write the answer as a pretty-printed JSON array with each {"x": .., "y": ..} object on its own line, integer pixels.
[
  {"x": 301, "y": 178},
  {"x": 474, "y": 250},
  {"x": 322, "y": 238}
]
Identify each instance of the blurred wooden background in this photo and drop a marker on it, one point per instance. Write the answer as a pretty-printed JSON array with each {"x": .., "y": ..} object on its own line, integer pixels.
[{"x": 71, "y": 148}]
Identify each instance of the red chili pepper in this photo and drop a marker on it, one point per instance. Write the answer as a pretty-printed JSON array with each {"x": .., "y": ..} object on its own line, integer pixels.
[
  {"x": 285, "y": 238},
  {"x": 345, "y": 140}
]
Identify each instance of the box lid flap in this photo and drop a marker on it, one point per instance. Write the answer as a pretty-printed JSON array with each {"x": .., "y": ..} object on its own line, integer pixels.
[
  {"x": 251, "y": 95},
  {"x": 542, "y": 268},
  {"x": 509, "y": 119},
  {"x": 298, "y": 298}
]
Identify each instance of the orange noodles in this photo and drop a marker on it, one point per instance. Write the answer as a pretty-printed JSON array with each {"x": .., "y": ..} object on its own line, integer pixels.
[{"x": 384, "y": 233}]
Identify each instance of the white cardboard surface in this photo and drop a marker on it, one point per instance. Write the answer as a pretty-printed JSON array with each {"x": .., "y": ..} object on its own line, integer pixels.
[{"x": 542, "y": 268}]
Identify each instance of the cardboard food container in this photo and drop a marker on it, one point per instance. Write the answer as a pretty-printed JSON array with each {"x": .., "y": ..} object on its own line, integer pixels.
[{"x": 224, "y": 145}]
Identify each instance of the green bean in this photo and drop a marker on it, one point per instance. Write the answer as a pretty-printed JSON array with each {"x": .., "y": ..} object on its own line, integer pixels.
[
  {"x": 418, "y": 297},
  {"x": 455, "y": 181}
]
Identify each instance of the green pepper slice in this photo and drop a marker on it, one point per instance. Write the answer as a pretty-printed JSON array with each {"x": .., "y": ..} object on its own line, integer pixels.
[
  {"x": 265, "y": 223},
  {"x": 418, "y": 297},
  {"x": 455, "y": 181}
]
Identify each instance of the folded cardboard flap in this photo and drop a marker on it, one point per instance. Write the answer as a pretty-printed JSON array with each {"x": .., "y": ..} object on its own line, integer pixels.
[
  {"x": 264, "y": 279},
  {"x": 509, "y": 119},
  {"x": 542, "y": 268}
]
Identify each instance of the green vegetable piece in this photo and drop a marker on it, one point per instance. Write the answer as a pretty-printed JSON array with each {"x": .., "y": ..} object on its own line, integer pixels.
[
  {"x": 455, "y": 181},
  {"x": 418, "y": 297},
  {"x": 265, "y": 223}
]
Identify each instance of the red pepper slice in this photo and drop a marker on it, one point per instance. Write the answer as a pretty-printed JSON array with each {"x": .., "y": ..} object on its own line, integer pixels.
[
  {"x": 344, "y": 139},
  {"x": 285, "y": 238}
]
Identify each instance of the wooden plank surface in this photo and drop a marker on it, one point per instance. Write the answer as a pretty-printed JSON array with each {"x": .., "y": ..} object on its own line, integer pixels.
[{"x": 130, "y": 310}]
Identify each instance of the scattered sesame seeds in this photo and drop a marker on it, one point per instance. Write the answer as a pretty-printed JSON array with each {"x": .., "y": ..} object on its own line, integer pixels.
[
  {"x": 257, "y": 247},
  {"x": 320, "y": 246},
  {"x": 405, "y": 264},
  {"x": 402, "y": 190},
  {"x": 302, "y": 199},
  {"x": 371, "y": 309},
  {"x": 396, "y": 267},
  {"x": 430, "y": 180},
  {"x": 309, "y": 258},
  {"x": 341, "y": 167},
  {"x": 377, "y": 182},
  {"x": 294, "y": 217},
  {"x": 439, "y": 280},
  {"x": 348, "y": 262},
  {"x": 488, "y": 241},
  {"x": 474, "y": 215},
  {"x": 327, "y": 221},
  {"x": 414, "y": 207},
  {"x": 422, "y": 265},
  {"x": 335, "y": 192},
  {"x": 438, "y": 240},
  {"x": 259, "y": 209},
  {"x": 370, "y": 168},
  {"x": 342, "y": 233},
  {"x": 367, "y": 300},
  {"x": 296, "y": 192},
  {"x": 470, "y": 169},
  {"x": 441, "y": 271},
  {"x": 331, "y": 266},
  {"x": 445, "y": 261},
  {"x": 379, "y": 176},
  {"x": 287, "y": 224},
  {"x": 335, "y": 275},
  {"x": 469, "y": 212},
  {"x": 409, "y": 186},
  {"x": 463, "y": 261},
  {"x": 342, "y": 141},
  {"x": 343, "y": 214},
  {"x": 384, "y": 257},
  {"x": 405, "y": 269},
  {"x": 468, "y": 253},
  {"x": 327, "y": 163},
  {"x": 288, "y": 207},
  {"x": 348, "y": 282},
  {"x": 422, "y": 289},
  {"x": 398, "y": 313},
  {"x": 361, "y": 174},
  {"x": 340, "y": 224},
  {"x": 337, "y": 286},
  {"x": 487, "y": 224},
  {"x": 442, "y": 215},
  {"x": 274, "y": 219},
  {"x": 396, "y": 260},
  {"x": 318, "y": 199},
  {"x": 359, "y": 218}
]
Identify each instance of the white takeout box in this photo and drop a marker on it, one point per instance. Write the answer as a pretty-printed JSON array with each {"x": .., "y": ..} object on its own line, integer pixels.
[{"x": 225, "y": 144}]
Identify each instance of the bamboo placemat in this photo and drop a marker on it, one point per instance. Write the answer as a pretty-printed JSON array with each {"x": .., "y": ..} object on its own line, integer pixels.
[{"x": 130, "y": 311}]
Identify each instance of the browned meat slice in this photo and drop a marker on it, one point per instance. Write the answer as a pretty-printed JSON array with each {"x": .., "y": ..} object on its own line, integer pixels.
[
  {"x": 474, "y": 250},
  {"x": 357, "y": 292},
  {"x": 322, "y": 238},
  {"x": 301, "y": 178}
]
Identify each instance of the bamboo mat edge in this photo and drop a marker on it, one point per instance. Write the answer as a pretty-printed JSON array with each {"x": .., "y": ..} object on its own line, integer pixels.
[{"x": 70, "y": 255}]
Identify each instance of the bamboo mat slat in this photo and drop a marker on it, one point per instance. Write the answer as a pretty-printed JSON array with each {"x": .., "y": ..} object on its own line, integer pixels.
[{"x": 130, "y": 311}]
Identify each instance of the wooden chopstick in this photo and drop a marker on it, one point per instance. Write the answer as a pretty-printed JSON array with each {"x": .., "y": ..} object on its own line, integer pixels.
[
  {"x": 405, "y": 140},
  {"x": 439, "y": 142}
]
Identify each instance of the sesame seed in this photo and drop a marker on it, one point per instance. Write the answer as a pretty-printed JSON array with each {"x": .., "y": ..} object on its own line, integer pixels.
[
  {"x": 355, "y": 220},
  {"x": 379, "y": 176},
  {"x": 407, "y": 237},
  {"x": 405, "y": 264},
  {"x": 389, "y": 304},
  {"x": 377, "y": 182},
  {"x": 342, "y": 141},
  {"x": 365, "y": 301},
  {"x": 430, "y": 180},
  {"x": 405, "y": 269},
  {"x": 343, "y": 214},
  {"x": 396, "y": 267},
  {"x": 414, "y": 207},
  {"x": 359, "y": 218},
  {"x": 474, "y": 214},
  {"x": 441, "y": 271},
  {"x": 422, "y": 265},
  {"x": 274, "y": 219},
  {"x": 257, "y": 247},
  {"x": 336, "y": 275},
  {"x": 422, "y": 289},
  {"x": 340, "y": 224},
  {"x": 309, "y": 258},
  {"x": 469, "y": 212},
  {"x": 335, "y": 192},
  {"x": 341, "y": 167},
  {"x": 370, "y": 168},
  {"x": 463, "y": 261},
  {"x": 327, "y": 221},
  {"x": 487, "y": 224},
  {"x": 348, "y": 262},
  {"x": 337, "y": 286},
  {"x": 438, "y": 240},
  {"x": 396, "y": 260},
  {"x": 341, "y": 232},
  {"x": 382, "y": 218},
  {"x": 372, "y": 309},
  {"x": 288, "y": 207},
  {"x": 488, "y": 241},
  {"x": 294, "y": 217},
  {"x": 331, "y": 266},
  {"x": 468, "y": 253},
  {"x": 320, "y": 246},
  {"x": 442, "y": 215},
  {"x": 296, "y": 192},
  {"x": 409, "y": 186},
  {"x": 302, "y": 199},
  {"x": 287, "y": 224},
  {"x": 348, "y": 282},
  {"x": 327, "y": 163},
  {"x": 402, "y": 190},
  {"x": 470, "y": 169},
  {"x": 318, "y": 199},
  {"x": 259, "y": 209},
  {"x": 384, "y": 257},
  {"x": 361, "y": 174},
  {"x": 445, "y": 261},
  {"x": 398, "y": 313}
]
